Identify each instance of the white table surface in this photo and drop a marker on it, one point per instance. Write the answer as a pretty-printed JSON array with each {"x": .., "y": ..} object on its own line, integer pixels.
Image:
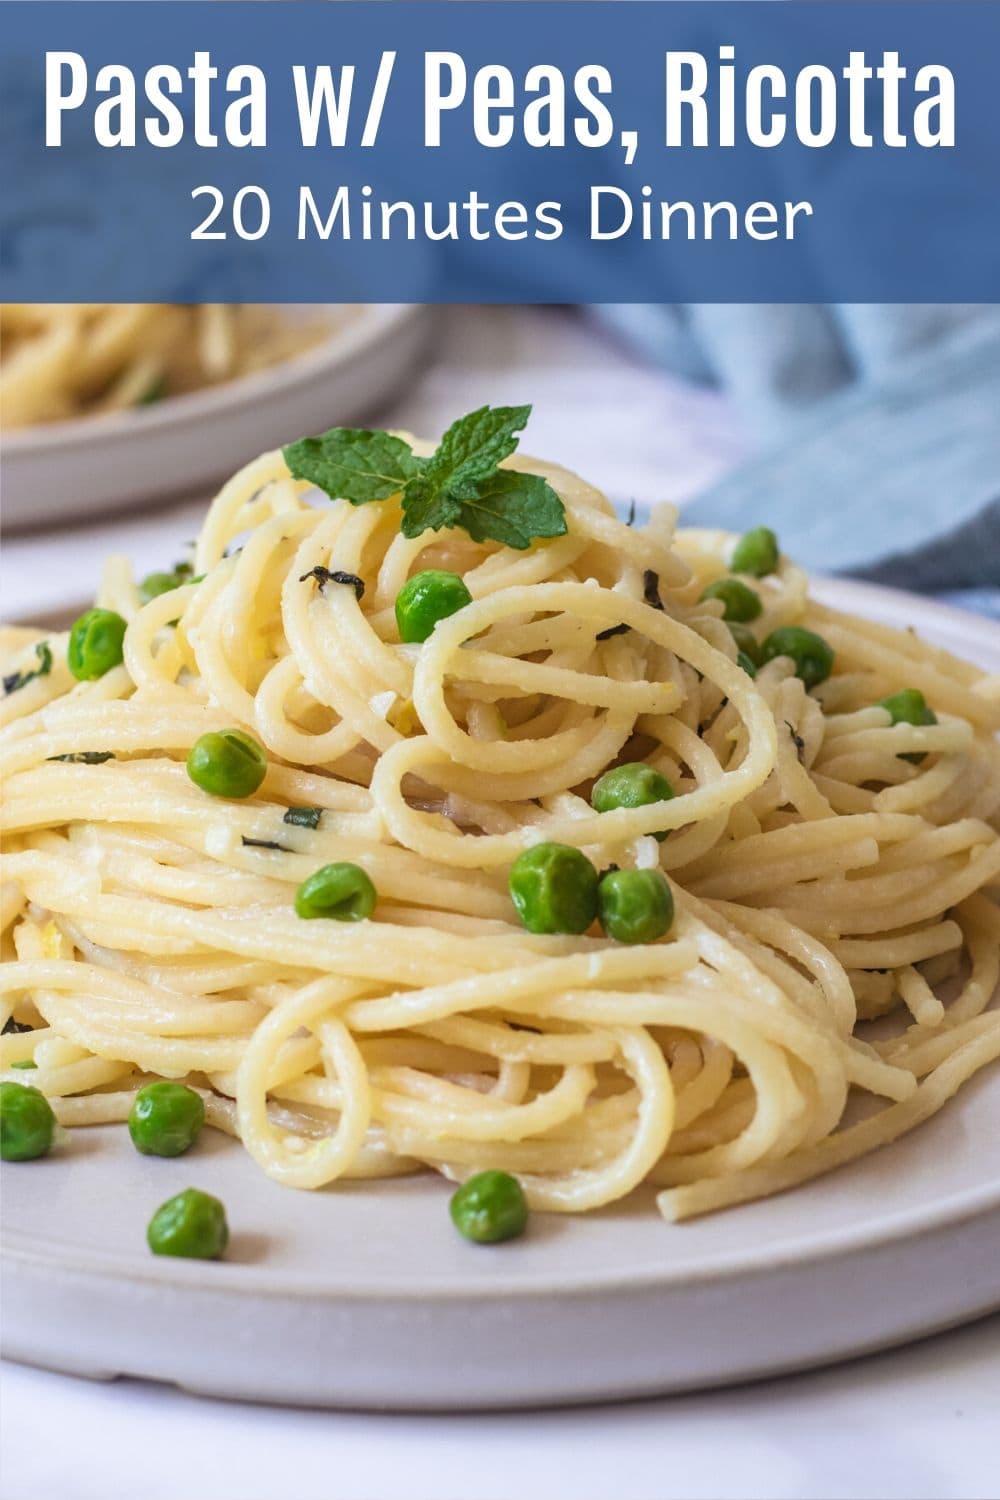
[{"x": 920, "y": 1423}]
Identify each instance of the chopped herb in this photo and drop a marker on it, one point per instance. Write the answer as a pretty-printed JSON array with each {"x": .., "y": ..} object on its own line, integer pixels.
[
  {"x": 459, "y": 485},
  {"x": 21, "y": 679},
  {"x": 325, "y": 575},
  {"x": 155, "y": 391},
  {"x": 264, "y": 844},
  {"x": 10, "y": 1026},
  {"x": 800, "y": 743},
  {"x": 605, "y": 635},
  {"x": 630, "y": 518},
  {"x": 85, "y": 757},
  {"x": 651, "y": 589},
  {"x": 303, "y": 817},
  {"x": 27, "y": 1063}
]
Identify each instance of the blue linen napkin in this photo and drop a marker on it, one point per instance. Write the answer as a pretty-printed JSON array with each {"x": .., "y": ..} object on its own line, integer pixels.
[{"x": 881, "y": 429}]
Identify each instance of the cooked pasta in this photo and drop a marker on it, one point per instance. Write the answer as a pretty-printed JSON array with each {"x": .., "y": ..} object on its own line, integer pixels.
[
  {"x": 65, "y": 360},
  {"x": 828, "y": 867}
]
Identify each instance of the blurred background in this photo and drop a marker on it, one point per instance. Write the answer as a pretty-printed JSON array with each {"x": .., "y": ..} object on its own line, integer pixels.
[{"x": 867, "y": 435}]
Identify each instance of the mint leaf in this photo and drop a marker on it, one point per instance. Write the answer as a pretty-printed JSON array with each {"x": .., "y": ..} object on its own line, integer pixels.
[
  {"x": 352, "y": 463},
  {"x": 473, "y": 447},
  {"x": 426, "y": 507},
  {"x": 513, "y": 508}
]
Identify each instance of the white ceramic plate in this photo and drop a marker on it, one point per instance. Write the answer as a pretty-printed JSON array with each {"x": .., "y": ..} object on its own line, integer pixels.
[
  {"x": 364, "y": 1295},
  {"x": 62, "y": 471}
]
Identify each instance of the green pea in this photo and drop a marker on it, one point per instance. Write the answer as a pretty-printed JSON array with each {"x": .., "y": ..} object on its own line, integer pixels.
[
  {"x": 192, "y": 1224},
  {"x": 635, "y": 906},
  {"x": 155, "y": 584},
  {"x": 745, "y": 640},
  {"x": 554, "y": 889},
  {"x": 909, "y": 707},
  {"x": 756, "y": 552},
  {"x": 745, "y": 664},
  {"x": 95, "y": 644},
  {"x": 631, "y": 785},
  {"x": 229, "y": 763},
  {"x": 739, "y": 601},
  {"x": 812, "y": 657},
  {"x": 165, "y": 1119},
  {"x": 27, "y": 1124},
  {"x": 342, "y": 891},
  {"x": 489, "y": 1207},
  {"x": 426, "y": 598}
]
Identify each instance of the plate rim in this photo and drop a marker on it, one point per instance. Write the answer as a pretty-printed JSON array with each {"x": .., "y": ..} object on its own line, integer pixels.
[
  {"x": 830, "y": 588},
  {"x": 238, "y": 1279}
]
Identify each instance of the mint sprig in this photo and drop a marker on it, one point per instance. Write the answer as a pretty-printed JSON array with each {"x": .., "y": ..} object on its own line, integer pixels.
[{"x": 459, "y": 485}]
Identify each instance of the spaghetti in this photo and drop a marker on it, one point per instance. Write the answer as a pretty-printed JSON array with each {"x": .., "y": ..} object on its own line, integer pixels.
[{"x": 821, "y": 879}]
